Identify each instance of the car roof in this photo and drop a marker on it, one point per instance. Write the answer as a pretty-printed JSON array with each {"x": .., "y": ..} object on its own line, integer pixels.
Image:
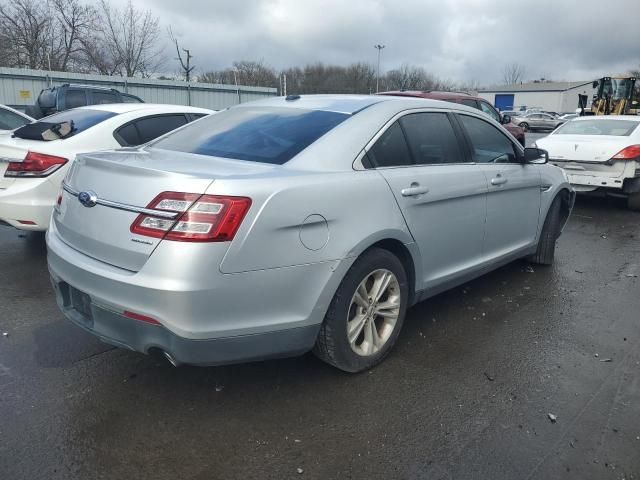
[
  {"x": 431, "y": 94},
  {"x": 145, "y": 107},
  {"x": 349, "y": 104}
]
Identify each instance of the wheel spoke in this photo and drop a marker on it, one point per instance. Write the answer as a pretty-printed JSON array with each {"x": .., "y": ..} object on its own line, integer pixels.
[
  {"x": 376, "y": 340},
  {"x": 388, "y": 309},
  {"x": 354, "y": 327},
  {"x": 359, "y": 300},
  {"x": 368, "y": 338},
  {"x": 380, "y": 285}
]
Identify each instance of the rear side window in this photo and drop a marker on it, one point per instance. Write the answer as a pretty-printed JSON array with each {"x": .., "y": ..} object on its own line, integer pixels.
[
  {"x": 152, "y": 127},
  {"x": 266, "y": 135},
  {"x": 431, "y": 138},
  {"x": 75, "y": 98},
  {"x": 100, "y": 97},
  {"x": 469, "y": 102},
  {"x": 391, "y": 149},
  {"x": 10, "y": 120},
  {"x": 82, "y": 119},
  {"x": 489, "y": 145},
  {"x": 127, "y": 136}
]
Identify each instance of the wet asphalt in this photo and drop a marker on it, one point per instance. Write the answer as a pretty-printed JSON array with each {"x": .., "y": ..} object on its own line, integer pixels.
[{"x": 465, "y": 394}]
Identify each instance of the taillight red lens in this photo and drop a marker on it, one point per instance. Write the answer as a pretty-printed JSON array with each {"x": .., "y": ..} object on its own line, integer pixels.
[
  {"x": 35, "y": 165},
  {"x": 629, "y": 153},
  {"x": 203, "y": 218}
]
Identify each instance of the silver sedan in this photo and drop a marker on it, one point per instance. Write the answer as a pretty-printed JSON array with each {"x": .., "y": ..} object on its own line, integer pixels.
[
  {"x": 537, "y": 121},
  {"x": 295, "y": 224}
]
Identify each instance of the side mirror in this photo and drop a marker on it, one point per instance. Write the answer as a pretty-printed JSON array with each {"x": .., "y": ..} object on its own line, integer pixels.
[
  {"x": 595, "y": 84},
  {"x": 535, "y": 155},
  {"x": 505, "y": 119}
]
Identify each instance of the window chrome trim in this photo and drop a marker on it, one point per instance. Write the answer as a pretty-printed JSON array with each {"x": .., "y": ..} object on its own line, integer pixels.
[{"x": 126, "y": 207}]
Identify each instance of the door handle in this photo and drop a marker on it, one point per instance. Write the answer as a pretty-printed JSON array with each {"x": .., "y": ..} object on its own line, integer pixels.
[
  {"x": 414, "y": 190},
  {"x": 498, "y": 180}
]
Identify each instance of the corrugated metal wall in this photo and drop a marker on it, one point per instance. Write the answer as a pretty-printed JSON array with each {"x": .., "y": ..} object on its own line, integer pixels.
[{"x": 22, "y": 87}]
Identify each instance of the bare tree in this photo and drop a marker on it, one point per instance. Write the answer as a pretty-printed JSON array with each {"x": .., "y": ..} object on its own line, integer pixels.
[
  {"x": 513, "y": 73},
  {"x": 245, "y": 72},
  {"x": 187, "y": 68},
  {"x": 127, "y": 43},
  {"x": 25, "y": 29},
  {"x": 71, "y": 24}
]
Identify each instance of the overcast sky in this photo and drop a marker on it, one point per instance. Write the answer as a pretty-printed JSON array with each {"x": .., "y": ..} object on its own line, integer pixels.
[{"x": 463, "y": 40}]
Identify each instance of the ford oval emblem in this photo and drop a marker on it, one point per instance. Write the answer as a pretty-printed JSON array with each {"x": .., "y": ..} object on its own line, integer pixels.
[{"x": 88, "y": 199}]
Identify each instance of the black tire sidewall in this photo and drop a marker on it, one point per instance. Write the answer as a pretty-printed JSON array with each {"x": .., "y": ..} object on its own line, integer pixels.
[{"x": 371, "y": 260}]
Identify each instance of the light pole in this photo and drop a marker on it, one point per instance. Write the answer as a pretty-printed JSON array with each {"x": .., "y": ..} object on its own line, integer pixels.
[{"x": 379, "y": 48}]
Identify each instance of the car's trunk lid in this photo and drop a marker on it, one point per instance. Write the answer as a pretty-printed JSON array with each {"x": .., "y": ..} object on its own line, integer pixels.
[
  {"x": 586, "y": 154},
  {"x": 125, "y": 181}
]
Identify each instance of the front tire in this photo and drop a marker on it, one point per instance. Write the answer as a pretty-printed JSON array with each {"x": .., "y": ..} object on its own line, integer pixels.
[
  {"x": 546, "y": 250},
  {"x": 366, "y": 314},
  {"x": 525, "y": 126}
]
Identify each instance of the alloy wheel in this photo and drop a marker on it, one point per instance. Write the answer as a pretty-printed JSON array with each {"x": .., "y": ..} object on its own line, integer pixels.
[{"x": 373, "y": 312}]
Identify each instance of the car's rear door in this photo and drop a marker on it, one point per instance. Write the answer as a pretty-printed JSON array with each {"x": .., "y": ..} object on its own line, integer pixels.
[
  {"x": 441, "y": 194},
  {"x": 514, "y": 188}
]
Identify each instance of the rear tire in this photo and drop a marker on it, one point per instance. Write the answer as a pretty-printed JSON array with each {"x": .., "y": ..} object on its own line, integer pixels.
[
  {"x": 546, "y": 250},
  {"x": 633, "y": 202},
  {"x": 369, "y": 344}
]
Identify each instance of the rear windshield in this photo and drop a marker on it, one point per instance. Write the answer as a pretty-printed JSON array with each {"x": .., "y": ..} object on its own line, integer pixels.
[
  {"x": 266, "y": 135},
  {"x": 82, "y": 119},
  {"x": 616, "y": 128}
]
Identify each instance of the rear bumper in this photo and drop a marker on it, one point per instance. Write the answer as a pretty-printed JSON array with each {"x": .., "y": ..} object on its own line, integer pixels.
[
  {"x": 206, "y": 317},
  {"x": 587, "y": 183},
  {"x": 30, "y": 200},
  {"x": 116, "y": 329}
]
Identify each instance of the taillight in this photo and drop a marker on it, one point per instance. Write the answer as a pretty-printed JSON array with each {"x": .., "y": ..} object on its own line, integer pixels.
[
  {"x": 35, "y": 165},
  {"x": 203, "y": 218},
  {"x": 629, "y": 153}
]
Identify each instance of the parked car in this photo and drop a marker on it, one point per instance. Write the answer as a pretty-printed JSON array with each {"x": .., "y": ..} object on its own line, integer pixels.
[
  {"x": 599, "y": 153},
  {"x": 283, "y": 225},
  {"x": 537, "y": 121},
  {"x": 69, "y": 95},
  {"x": 35, "y": 159},
  {"x": 569, "y": 116},
  {"x": 470, "y": 101},
  {"x": 10, "y": 118}
]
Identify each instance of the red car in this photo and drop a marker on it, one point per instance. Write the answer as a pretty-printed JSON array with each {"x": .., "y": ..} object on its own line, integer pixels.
[{"x": 470, "y": 101}]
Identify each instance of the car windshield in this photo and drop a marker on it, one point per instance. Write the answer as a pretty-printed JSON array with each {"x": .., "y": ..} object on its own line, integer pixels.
[
  {"x": 266, "y": 135},
  {"x": 617, "y": 128},
  {"x": 82, "y": 119}
]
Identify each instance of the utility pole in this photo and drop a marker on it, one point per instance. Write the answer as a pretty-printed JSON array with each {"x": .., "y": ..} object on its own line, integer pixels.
[
  {"x": 378, "y": 47},
  {"x": 187, "y": 68}
]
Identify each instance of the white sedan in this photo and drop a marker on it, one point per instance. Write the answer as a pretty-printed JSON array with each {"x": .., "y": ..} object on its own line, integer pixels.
[
  {"x": 599, "y": 153},
  {"x": 34, "y": 160}
]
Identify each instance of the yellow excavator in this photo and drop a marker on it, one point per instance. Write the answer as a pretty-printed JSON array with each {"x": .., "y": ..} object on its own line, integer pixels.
[{"x": 614, "y": 96}]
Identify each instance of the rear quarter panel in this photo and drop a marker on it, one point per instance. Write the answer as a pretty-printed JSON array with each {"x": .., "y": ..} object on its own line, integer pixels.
[{"x": 309, "y": 218}]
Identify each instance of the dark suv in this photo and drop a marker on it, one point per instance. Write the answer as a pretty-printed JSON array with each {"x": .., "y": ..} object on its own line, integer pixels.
[
  {"x": 469, "y": 100},
  {"x": 64, "y": 97}
]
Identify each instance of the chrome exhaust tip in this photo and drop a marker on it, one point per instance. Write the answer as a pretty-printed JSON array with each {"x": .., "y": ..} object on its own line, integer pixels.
[{"x": 172, "y": 360}]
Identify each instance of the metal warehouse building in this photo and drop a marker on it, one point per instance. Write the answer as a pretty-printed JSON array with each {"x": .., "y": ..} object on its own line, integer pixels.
[
  {"x": 20, "y": 87},
  {"x": 561, "y": 97}
]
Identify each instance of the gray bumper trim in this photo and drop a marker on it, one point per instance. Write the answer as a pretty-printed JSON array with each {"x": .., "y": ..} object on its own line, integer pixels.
[{"x": 118, "y": 330}]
